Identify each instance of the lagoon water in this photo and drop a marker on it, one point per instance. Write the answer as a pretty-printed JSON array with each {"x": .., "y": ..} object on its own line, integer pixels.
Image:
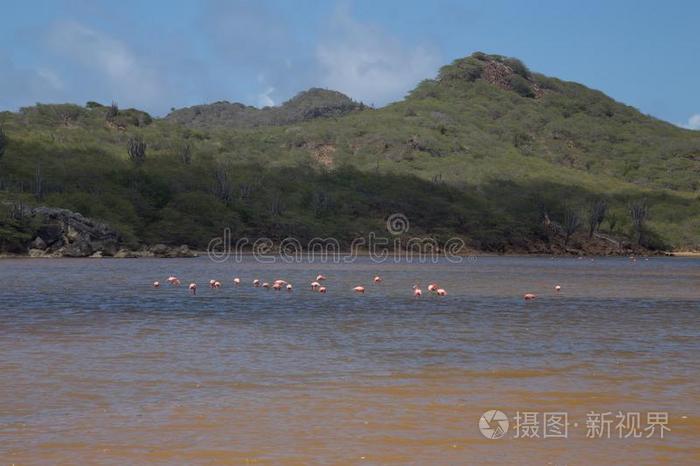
[{"x": 97, "y": 367}]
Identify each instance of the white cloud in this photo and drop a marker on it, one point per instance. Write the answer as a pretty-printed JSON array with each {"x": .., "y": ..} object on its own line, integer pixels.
[
  {"x": 264, "y": 99},
  {"x": 369, "y": 65},
  {"x": 693, "y": 122},
  {"x": 130, "y": 80}
]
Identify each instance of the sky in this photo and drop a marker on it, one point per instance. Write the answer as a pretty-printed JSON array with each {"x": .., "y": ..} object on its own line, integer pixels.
[{"x": 161, "y": 54}]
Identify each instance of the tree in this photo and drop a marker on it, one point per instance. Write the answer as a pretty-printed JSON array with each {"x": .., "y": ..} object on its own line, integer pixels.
[
  {"x": 137, "y": 150},
  {"x": 596, "y": 216},
  {"x": 185, "y": 153},
  {"x": 639, "y": 211},
  {"x": 112, "y": 111},
  {"x": 571, "y": 223},
  {"x": 223, "y": 188},
  {"x": 38, "y": 183},
  {"x": 3, "y": 142}
]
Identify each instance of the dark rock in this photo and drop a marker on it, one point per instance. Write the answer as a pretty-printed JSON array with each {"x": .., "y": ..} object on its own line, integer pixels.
[
  {"x": 184, "y": 251},
  {"x": 160, "y": 250},
  {"x": 126, "y": 254},
  {"x": 62, "y": 232},
  {"x": 38, "y": 243}
]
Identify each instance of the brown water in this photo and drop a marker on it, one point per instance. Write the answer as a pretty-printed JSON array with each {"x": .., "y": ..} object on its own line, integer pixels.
[{"x": 96, "y": 367}]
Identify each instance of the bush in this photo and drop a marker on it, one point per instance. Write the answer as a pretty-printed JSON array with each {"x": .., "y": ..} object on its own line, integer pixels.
[{"x": 521, "y": 86}]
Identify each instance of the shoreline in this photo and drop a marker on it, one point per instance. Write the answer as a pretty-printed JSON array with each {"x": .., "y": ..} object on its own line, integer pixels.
[{"x": 196, "y": 254}]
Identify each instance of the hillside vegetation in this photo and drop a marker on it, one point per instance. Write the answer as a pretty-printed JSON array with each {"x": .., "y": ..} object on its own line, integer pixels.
[{"x": 505, "y": 158}]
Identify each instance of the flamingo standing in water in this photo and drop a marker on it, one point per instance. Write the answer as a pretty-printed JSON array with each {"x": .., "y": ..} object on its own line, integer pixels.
[
  {"x": 315, "y": 285},
  {"x": 359, "y": 289},
  {"x": 256, "y": 283},
  {"x": 321, "y": 289},
  {"x": 432, "y": 287},
  {"x": 320, "y": 278},
  {"x": 557, "y": 287},
  {"x": 417, "y": 291},
  {"x": 236, "y": 281},
  {"x": 156, "y": 284},
  {"x": 529, "y": 296},
  {"x": 276, "y": 286},
  {"x": 441, "y": 292},
  {"x": 289, "y": 287},
  {"x": 216, "y": 285},
  {"x": 266, "y": 285},
  {"x": 193, "y": 288},
  {"x": 211, "y": 283},
  {"x": 377, "y": 280}
]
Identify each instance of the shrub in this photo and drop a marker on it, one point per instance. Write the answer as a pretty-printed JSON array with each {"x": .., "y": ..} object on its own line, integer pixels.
[{"x": 521, "y": 86}]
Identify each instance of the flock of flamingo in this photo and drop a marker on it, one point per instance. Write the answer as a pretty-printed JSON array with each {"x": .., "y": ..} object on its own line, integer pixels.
[{"x": 316, "y": 286}]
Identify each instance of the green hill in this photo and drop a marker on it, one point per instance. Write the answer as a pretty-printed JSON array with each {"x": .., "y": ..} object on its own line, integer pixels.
[{"x": 488, "y": 151}]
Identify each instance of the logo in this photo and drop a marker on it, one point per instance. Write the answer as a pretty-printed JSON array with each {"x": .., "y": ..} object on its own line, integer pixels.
[
  {"x": 397, "y": 224},
  {"x": 493, "y": 424}
]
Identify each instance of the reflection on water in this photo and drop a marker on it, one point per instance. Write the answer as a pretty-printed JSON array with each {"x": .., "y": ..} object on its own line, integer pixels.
[{"x": 97, "y": 366}]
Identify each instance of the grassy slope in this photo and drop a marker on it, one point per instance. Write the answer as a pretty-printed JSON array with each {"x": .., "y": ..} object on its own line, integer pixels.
[{"x": 459, "y": 156}]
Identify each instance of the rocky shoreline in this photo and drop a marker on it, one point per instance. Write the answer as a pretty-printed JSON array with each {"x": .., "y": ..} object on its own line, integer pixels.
[
  {"x": 64, "y": 233},
  {"x": 58, "y": 233}
]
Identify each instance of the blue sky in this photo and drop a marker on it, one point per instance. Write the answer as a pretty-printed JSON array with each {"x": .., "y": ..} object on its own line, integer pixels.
[{"x": 160, "y": 54}]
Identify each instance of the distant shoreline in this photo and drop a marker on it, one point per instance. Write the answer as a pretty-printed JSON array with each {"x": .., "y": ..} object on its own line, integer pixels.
[{"x": 692, "y": 254}]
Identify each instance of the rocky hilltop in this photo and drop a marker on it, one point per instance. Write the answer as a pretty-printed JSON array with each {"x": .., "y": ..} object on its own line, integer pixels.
[{"x": 307, "y": 105}]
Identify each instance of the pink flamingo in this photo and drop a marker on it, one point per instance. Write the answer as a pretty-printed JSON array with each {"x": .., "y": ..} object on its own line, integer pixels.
[
  {"x": 315, "y": 285},
  {"x": 156, "y": 284},
  {"x": 236, "y": 281},
  {"x": 320, "y": 278},
  {"x": 321, "y": 289},
  {"x": 377, "y": 280},
  {"x": 256, "y": 283},
  {"x": 176, "y": 282},
  {"x": 417, "y": 291},
  {"x": 289, "y": 287},
  {"x": 193, "y": 288},
  {"x": 432, "y": 287},
  {"x": 529, "y": 296},
  {"x": 359, "y": 289},
  {"x": 266, "y": 285},
  {"x": 276, "y": 286},
  {"x": 557, "y": 287},
  {"x": 441, "y": 292},
  {"x": 217, "y": 285},
  {"x": 211, "y": 283}
]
